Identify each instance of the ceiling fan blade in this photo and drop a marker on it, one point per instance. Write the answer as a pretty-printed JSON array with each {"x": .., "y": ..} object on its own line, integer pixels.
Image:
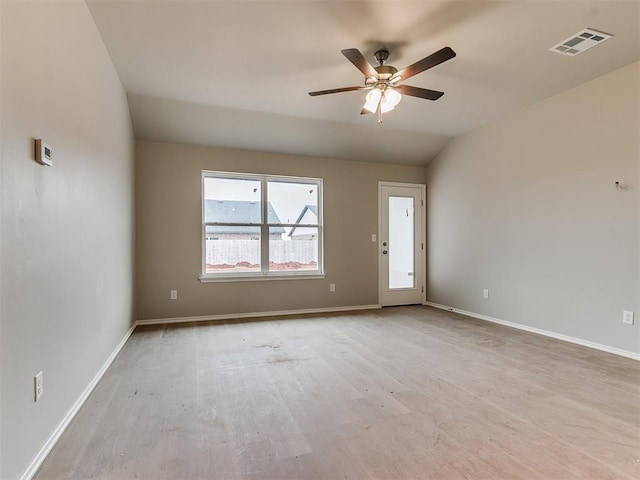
[
  {"x": 426, "y": 63},
  {"x": 419, "y": 92},
  {"x": 355, "y": 57},
  {"x": 335, "y": 90}
]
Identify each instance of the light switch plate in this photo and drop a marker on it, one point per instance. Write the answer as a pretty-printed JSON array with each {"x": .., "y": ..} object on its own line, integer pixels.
[{"x": 627, "y": 317}]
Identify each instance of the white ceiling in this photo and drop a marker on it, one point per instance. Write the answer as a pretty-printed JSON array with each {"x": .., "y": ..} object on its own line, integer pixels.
[{"x": 236, "y": 73}]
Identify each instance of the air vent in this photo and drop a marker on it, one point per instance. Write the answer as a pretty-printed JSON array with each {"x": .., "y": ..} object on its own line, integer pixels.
[{"x": 580, "y": 42}]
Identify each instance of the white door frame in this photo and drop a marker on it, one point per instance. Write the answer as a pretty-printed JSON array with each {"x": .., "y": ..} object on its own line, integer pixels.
[{"x": 420, "y": 210}]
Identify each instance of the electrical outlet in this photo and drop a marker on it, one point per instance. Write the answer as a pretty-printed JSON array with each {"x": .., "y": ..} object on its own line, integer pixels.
[
  {"x": 485, "y": 293},
  {"x": 332, "y": 287},
  {"x": 38, "y": 387},
  {"x": 174, "y": 294},
  {"x": 627, "y": 317}
]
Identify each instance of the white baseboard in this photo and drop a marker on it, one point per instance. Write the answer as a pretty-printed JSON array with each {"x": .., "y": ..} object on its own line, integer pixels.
[
  {"x": 64, "y": 423},
  {"x": 539, "y": 331},
  {"x": 236, "y": 316}
]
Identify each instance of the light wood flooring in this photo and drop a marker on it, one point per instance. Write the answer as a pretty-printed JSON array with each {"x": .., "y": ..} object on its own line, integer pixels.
[{"x": 404, "y": 392}]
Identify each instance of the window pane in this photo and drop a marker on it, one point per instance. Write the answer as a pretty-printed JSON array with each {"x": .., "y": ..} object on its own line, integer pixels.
[
  {"x": 232, "y": 200},
  {"x": 293, "y": 250},
  {"x": 401, "y": 242},
  {"x": 293, "y": 203},
  {"x": 232, "y": 249}
]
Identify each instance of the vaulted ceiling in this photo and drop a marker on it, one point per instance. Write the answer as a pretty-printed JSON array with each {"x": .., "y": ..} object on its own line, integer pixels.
[{"x": 236, "y": 73}]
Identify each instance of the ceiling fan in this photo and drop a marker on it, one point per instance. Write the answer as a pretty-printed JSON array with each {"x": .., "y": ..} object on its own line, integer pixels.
[{"x": 384, "y": 80}]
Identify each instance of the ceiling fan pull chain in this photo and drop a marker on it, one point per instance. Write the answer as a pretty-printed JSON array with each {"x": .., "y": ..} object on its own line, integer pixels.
[{"x": 382, "y": 98}]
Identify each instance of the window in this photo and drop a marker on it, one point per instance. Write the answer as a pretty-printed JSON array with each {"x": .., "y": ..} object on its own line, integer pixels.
[{"x": 260, "y": 226}]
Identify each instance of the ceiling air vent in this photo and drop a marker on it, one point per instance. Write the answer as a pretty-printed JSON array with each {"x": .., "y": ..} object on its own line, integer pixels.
[{"x": 580, "y": 42}]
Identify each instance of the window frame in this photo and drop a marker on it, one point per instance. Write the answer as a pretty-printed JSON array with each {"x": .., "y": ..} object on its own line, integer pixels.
[{"x": 264, "y": 225}]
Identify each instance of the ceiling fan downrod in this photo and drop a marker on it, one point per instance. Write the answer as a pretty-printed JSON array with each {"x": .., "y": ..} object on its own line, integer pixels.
[{"x": 381, "y": 56}]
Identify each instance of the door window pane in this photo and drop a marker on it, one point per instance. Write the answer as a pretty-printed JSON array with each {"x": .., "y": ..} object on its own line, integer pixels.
[{"x": 401, "y": 238}]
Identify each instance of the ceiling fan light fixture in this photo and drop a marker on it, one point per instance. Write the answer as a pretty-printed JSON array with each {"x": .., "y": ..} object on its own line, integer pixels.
[
  {"x": 387, "y": 100},
  {"x": 372, "y": 100},
  {"x": 385, "y": 107},
  {"x": 392, "y": 97}
]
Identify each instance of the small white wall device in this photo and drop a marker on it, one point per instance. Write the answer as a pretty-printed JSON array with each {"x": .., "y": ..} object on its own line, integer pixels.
[{"x": 44, "y": 154}]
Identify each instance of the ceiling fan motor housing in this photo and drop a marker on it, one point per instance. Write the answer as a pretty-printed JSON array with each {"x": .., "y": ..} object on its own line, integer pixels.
[{"x": 385, "y": 72}]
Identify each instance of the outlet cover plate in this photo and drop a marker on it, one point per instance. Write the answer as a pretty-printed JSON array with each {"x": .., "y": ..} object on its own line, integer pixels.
[{"x": 38, "y": 387}]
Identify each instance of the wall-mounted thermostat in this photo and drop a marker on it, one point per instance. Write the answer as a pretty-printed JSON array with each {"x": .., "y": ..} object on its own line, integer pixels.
[{"x": 44, "y": 154}]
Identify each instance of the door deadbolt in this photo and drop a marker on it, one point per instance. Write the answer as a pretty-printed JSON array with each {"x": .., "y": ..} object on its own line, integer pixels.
[{"x": 384, "y": 252}]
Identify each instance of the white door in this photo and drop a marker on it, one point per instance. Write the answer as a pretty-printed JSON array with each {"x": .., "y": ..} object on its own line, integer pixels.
[{"x": 401, "y": 243}]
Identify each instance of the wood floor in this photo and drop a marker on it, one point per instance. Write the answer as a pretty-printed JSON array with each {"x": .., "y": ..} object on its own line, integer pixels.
[{"x": 404, "y": 392}]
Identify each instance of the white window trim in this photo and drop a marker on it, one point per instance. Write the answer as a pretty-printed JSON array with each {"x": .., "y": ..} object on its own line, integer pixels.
[{"x": 264, "y": 230}]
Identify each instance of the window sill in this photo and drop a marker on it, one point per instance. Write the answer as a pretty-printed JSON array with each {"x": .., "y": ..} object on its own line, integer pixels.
[{"x": 260, "y": 278}]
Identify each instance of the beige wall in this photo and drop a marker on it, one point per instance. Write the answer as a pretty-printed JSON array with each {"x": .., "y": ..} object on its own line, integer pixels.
[
  {"x": 527, "y": 207},
  {"x": 67, "y": 231},
  {"x": 169, "y": 245}
]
